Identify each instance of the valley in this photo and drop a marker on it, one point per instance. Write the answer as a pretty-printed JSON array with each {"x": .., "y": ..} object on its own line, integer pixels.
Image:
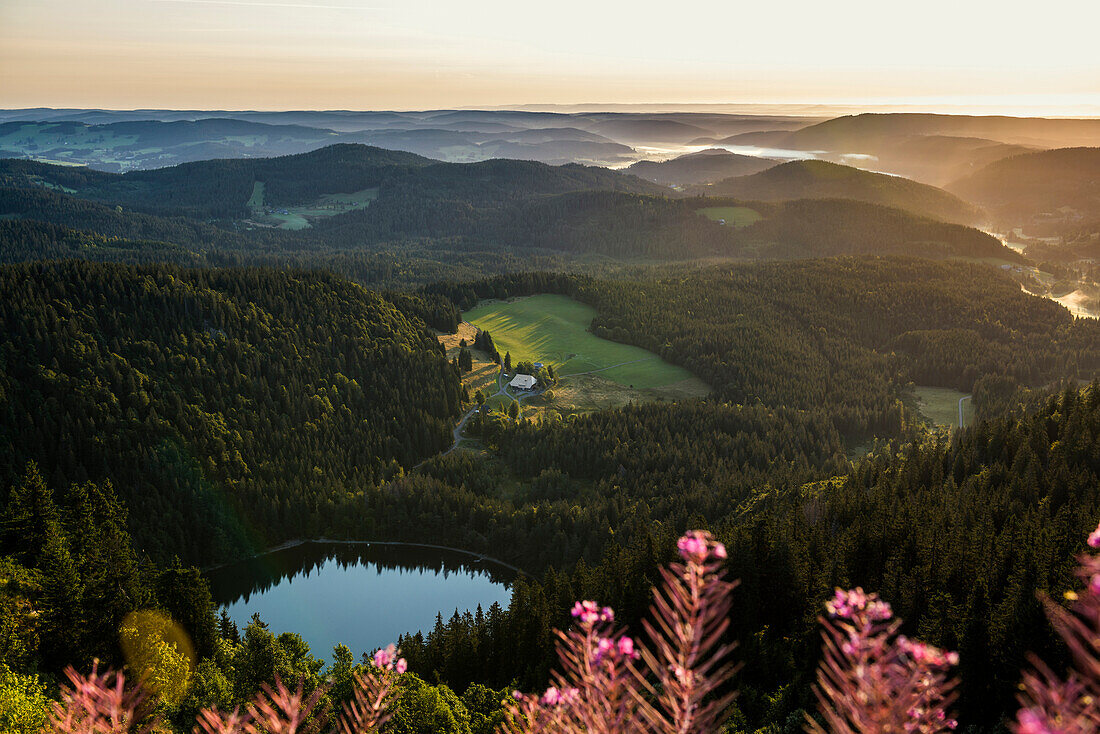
[{"x": 230, "y": 333}]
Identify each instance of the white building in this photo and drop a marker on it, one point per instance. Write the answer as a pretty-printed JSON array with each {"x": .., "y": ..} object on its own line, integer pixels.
[{"x": 523, "y": 382}]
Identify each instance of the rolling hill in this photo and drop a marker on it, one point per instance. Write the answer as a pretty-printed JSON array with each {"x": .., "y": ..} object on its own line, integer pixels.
[
  {"x": 811, "y": 179},
  {"x": 1048, "y": 191},
  {"x": 931, "y": 148},
  {"x": 706, "y": 166},
  {"x": 218, "y": 399},
  {"x": 867, "y": 132},
  {"x": 223, "y": 188}
]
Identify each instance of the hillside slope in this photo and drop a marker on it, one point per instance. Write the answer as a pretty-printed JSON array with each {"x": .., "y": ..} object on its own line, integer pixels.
[
  {"x": 257, "y": 405},
  {"x": 812, "y": 179},
  {"x": 706, "y": 166},
  {"x": 1050, "y": 190},
  {"x": 223, "y": 188}
]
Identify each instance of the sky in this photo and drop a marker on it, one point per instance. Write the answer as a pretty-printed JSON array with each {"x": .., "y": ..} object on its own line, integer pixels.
[{"x": 1006, "y": 56}]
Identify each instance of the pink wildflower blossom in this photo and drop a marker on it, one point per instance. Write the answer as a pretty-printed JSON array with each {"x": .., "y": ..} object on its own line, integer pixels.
[
  {"x": 1094, "y": 538},
  {"x": 1051, "y": 704}
]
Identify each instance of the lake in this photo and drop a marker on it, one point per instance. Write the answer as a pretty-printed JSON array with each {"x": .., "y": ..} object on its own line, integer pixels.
[{"x": 361, "y": 594}]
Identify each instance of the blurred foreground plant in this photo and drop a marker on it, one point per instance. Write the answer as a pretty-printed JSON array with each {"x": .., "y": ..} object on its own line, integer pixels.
[
  {"x": 1050, "y": 704},
  {"x": 608, "y": 683},
  {"x": 871, "y": 679}
]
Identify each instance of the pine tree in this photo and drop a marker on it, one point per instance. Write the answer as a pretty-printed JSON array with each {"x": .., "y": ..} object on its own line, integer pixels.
[
  {"x": 31, "y": 513},
  {"x": 62, "y": 604}
]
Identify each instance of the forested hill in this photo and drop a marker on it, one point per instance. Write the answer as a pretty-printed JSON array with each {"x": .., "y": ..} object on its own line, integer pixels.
[
  {"x": 824, "y": 180},
  {"x": 625, "y": 225},
  {"x": 223, "y": 188},
  {"x": 958, "y": 534},
  {"x": 1061, "y": 186},
  {"x": 841, "y": 335},
  {"x": 706, "y": 166},
  {"x": 254, "y": 404}
]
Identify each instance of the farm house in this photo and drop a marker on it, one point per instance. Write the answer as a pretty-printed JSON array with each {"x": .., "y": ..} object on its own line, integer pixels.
[{"x": 523, "y": 382}]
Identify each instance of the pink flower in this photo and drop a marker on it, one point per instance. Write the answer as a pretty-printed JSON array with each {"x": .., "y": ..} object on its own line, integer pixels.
[
  {"x": 854, "y": 602},
  {"x": 607, "y": 614},
  {"x": 1094, "y": 538},
  {"x": 603, "y": 647},
  {"x": 1029, "y": 722},
  {"x": 693, "y": 547},
  {"x": 1094, "y": 584},
  {"x": 401, "y": 666},
  {"x": 586, "y": 611},
  {"x": 552, "y": 697},
  {"x": 383, "y": 658},
  {"x": 626, "y": 647},
  {"x": 719, "y": 551}
]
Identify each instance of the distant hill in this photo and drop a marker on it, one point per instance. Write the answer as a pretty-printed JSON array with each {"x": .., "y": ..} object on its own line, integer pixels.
[
  {"x": 812, "y": 179},
  {"x": 940, "y": 159},
  {"x": 630, "y": 130},
  {"x": 857, "y": 133},
  {"x": 627, "y": 225},
  {"x": 934, "y": 149},
  {"x": 221, "y": 188},
  {"x": 1048, "y": 191},
  {"x": 706, "y": 166},
  {"x": 120, "y": 146},
  {"x": 414, "y": 196},
  {"x": 829, "y": 227},
  {"x": 193, "y": 211}
]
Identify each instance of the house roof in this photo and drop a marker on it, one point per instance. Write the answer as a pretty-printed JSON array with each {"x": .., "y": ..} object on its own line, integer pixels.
[{"x": 524, "y": 382}]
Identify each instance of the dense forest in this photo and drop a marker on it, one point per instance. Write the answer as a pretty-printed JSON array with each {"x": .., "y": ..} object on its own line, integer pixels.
[
  {"x": 180, "y": 388},
  {"x": 958, "y": 534},
  {"x": 458, "y": 208},
  {"x": 201, "y": 393},
  {"x": 813, "y": 179},
  {"x": 840, "y": 334}
]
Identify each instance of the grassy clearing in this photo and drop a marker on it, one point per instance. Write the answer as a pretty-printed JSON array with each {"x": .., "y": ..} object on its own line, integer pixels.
[
  {"x": 941, "y": 405},
  {"x": 484, "y": 374},
  {"x": 553, "y": 330},
  {"x": 587, "y": 393},
  {"x": 256, "y": 201},
  {"x": 297, "y": 217},
  {"x": 737, "y": 216}
]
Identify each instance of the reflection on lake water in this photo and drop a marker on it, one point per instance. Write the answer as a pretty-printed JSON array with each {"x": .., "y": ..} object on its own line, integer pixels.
[{"x": 361, "y": 594}]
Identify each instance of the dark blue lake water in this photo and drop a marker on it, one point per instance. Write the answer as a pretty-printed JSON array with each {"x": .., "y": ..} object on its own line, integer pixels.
[{"x": 363, "y": 595}]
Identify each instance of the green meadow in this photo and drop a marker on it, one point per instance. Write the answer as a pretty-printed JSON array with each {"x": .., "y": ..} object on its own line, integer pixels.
[
  {"x": 296, "y": 218},
  {"x": 554, "y": 330},
  {"x": 737, "y": 216},
  {"x": 941, "y": 405}
]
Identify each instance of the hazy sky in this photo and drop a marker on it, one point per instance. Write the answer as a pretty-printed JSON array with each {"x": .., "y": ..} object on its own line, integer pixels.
[{"x": 417, "y": 54}]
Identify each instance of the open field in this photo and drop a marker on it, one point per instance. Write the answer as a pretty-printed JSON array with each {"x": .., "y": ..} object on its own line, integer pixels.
[
  {"x": 941, "y": 405},
  {"x": 738, "y": 216},
  {"x": 484, "y": 374},
  {"x": 256, "y": 201},
  {"x": 297, "y": 217},
  {"x": 586, "y": 393},
  {"x": 553, "y": 330}
]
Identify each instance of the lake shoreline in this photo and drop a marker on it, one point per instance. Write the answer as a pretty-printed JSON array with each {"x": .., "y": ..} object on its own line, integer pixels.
[{"x": 303, "y": 541}]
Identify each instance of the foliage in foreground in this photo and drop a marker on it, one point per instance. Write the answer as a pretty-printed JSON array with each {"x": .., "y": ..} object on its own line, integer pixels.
[{"x": 679, "y": 682}]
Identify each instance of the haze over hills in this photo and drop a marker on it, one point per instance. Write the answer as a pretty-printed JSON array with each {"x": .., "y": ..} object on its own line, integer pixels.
[
  {"x": 706, "y": 166},
  {"x": 932, "y": 148},
  {"x": 812, "y": 179},
  {"x": 1047, "y": 192},
  {"x": 245, "y": 341},
  {"x": 119, "y": 141},
  {"x": 497, "y": 205},
  {"x": 223, "y": 188}
]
